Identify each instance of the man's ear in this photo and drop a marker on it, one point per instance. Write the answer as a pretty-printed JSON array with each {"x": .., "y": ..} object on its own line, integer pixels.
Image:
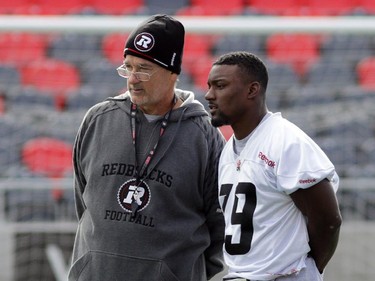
[{"x": 254, "y": 89}]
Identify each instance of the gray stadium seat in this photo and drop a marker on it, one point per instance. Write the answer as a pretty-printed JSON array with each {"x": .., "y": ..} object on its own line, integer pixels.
[
  {"x": 9, "y": 77},
  {"x": 13, "y": 133},
  {"x": 282, "y": 77},
  {"x": 151, "y": 7},
  {"x": 28, "y": 96},
  {"x": 240, "y": 42},
  {"x": 331, "y": 75},
  {"x": 345, "y": 47},
  {"x": 76, "y": 48},
  {"x": 101, "y": 73},
  {"x": 87, "y": 96}
]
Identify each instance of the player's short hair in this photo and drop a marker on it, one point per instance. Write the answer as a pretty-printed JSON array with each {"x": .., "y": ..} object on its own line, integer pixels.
[{"x": 249, "y": 63}]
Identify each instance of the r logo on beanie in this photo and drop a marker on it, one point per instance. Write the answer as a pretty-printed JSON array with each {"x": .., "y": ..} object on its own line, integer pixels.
[
  {"x": 159, "y": 39},
  {"x": 144, "y": 42}
]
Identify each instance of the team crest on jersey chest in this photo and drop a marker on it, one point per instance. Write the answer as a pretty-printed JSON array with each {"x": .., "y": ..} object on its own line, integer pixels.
[
  {"x": 238, "y": 165},
  {"x": 131, "y": 193}
]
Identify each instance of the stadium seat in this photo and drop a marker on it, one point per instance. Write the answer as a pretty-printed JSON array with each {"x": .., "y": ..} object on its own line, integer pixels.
[
  {"x": 151, "y": 7},
  {"x": 271, "y": 7},
  {"x": 212, "y": 8},
  {"x": 86, "y": 96},
  {"x": 330, "y": 7},
  {"x": 356, "y": 94},
  {"x": 29, "y": 96},
  {"x": 332, "y": 75},
  {"x": 367, "y": 151},
  {"x": 366, "y": 73},
  {"x": 239, "y": 42},
  {"x": 9, "y": 77},
  {"x": 348, "y": 47},
  {"x": 200, "y": 70},
  {"x": 55, "y": 76},
  {"x": 113, "y": 47},
  {"x": 297, "y": 50},
  {"x": 367, "y": 5},
  {"x": 75, "y": 48},
  {"x": 199, "y": 94},
  {"x": 59, "y": 7},
  {"x": 311, "y": 95},
  {"x": 115, "y": 7},
  {"x": 61, "y": 125},
  {"x": 352, "y": 129},
  {"x": 47, "y": 157},
  {"x": 9, "y": 7},
  {"x": 196, "y": 47},
  {"x": 282, "y": 77},
  {"x": 13, "y": 134},
  {"x": 185, "y": 81},
  {"x": 21, "y": 48},
  {"x": 103, "y": 76},
  {"x": 341, "y": 151}
]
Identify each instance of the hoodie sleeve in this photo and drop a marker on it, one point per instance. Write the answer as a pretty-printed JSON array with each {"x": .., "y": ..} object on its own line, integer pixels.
[
  {"x": 215, "y": 219},
  {"x": 78, "y": 152},
  {"x": 79, "y": 178}
]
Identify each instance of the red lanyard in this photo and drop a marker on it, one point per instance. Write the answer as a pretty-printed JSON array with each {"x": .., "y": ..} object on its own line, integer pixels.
[{"x": 164, "y": 123}]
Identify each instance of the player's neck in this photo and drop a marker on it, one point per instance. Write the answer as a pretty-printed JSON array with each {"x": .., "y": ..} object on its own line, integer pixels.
[{"x": 241, "y": 131}]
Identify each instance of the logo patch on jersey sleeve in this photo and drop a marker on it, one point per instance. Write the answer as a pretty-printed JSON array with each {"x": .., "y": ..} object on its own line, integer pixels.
[{"x": 307, "y": 181}]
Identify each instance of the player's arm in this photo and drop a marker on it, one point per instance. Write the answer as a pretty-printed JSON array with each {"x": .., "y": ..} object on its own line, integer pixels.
[{"x": 320, "y": 207}]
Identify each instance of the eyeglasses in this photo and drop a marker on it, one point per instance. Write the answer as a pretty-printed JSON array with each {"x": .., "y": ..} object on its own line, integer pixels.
[{"x": 141, "y": 76}]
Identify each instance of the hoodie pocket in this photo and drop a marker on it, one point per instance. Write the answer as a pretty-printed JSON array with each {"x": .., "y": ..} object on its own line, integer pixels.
[{"x": 101, "y": 266}]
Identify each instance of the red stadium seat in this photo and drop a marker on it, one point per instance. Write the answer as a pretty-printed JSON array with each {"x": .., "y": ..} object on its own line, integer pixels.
[
  {"x": 113, "y": 47},
  {"x": 49, "y": 74},
  {"x": 60, "y": 7},
  {"x": 297, "y": 50},
  {"x": 367, "y": 5},
  {"x": 330, "y": 7},
  {"x": 115, "y": 7},
  {"x": 196, "y": 47},
  {"x": 303, "y": 7},
  {"x": 47, "y": 7},
  {"x": 20, "y": 48},
  {"x": 199, "y": 71},
  {"x": 272, "y": 7},
  {"x": 212, "y": 8},
  {"x": 47, "y": 157},
  {"x": 56, "y": 76},
  {"x": 8, "y": 7},
  {"x": 366, "y": 73}
]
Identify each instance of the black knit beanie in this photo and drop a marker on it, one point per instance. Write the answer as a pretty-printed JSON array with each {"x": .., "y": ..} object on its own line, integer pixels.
[{"x": 159, "y": 39}]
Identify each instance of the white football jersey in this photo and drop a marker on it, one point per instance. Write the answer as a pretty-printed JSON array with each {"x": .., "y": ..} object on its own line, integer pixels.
[{"x": 265, "y": 233}]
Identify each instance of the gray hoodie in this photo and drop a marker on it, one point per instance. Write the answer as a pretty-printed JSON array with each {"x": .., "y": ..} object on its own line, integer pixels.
[{"x": 178, "y": 229}]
